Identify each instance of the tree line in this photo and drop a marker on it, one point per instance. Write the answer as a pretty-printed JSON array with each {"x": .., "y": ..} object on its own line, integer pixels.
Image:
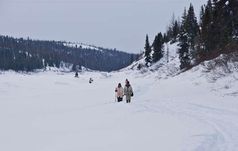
[
  {"x": 214, "y": 33},
  {"x": 27, "y": 55}
]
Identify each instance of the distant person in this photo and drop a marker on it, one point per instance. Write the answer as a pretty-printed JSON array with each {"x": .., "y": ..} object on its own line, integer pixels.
[
  {"x": 119, "y": 92},
  {"x": 76, "y": 74},
  {"x": 90, "y": 80},
  {"x": 128, "y": 92}
]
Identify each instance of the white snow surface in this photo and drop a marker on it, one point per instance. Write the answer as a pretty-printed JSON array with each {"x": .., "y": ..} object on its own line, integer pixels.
[
  {"x": 53, "y": 111},
  {"x": 195, "y": 110}
]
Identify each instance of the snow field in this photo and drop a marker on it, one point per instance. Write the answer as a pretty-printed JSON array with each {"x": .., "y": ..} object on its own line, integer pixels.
[{"x": 56, "y": 112}]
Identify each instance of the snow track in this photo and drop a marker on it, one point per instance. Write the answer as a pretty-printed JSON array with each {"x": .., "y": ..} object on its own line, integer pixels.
[{"x": 224, "y": 133}]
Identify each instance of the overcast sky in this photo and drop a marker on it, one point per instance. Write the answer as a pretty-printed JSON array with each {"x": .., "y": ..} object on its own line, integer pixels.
[{"x": 120, "y": 24}]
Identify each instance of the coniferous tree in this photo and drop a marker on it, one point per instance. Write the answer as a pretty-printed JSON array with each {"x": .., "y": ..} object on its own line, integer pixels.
[
  {"x": 229, "y": 17},
  {"x": 217, "y": 25},
  {"x": 222, "y": 24},
  {"x": 148, "y": 50},
  {"x": 184, "y": 43},
  {"x": 165, "y": 38},
  {"x": 231, "y": 10},
  {"x": 206, "y": 28},
  {"x": 199, "y": 41},
  {"x": 176, "y": 29},
  {"x": 184, "y": 23},
  {"x": 202, "y": 12},
  {"x": 184, "y": 50},
  {"x": 192, "y": 27},
  {"x": 169, "y": 31},
  {"x": 173, "y": 30},
  {"x": 233, "y": 4},
  {"x": 158, "y": 48}
]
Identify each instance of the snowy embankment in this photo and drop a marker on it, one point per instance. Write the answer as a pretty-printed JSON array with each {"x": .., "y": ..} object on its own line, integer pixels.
[{"x": 53, "y": 111}]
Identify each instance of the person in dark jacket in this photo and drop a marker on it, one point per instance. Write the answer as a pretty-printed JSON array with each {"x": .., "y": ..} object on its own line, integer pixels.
[
  {"x": 90, "y": 80},
  {"x": 76, "y": 74}
]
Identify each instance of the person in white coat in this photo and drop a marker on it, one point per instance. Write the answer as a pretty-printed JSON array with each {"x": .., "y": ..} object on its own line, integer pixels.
[
  {"x": 119, "y": 93},
  {"x": 128, "y": 92}
]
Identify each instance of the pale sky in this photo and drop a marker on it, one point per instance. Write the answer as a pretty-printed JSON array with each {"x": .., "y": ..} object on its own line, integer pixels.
[{"x": 120, "y": 24}]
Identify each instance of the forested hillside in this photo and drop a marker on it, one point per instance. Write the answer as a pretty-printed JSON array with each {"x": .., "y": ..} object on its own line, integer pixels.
[
  {"x": 201, "y": 38},
  {"x": 28, "y": 55}
]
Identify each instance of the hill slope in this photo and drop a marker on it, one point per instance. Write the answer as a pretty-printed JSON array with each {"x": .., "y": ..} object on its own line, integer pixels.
[{"x": 27, "y": 55}]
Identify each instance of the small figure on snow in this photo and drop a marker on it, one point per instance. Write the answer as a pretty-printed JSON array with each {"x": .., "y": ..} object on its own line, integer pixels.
[
  {"x": 90, "y": 80},
  {"x": 119, "y": 92},
  {"x": 128, "y": 92},
  {"x": 76, "y": 74}
]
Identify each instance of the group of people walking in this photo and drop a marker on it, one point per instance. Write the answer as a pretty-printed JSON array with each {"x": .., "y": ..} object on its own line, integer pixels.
[{"x": 126, "y": 91}]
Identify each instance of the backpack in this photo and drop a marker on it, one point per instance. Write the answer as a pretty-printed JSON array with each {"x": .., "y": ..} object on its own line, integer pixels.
[{"x": 132, "y": 94}]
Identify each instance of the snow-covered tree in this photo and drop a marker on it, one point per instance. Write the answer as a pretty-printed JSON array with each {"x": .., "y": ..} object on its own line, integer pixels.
[
  {"x": 192, "y": 27},
  {"x": 184, "y": 43},
  {"x": 206, "y": 27},
  {"x": 148, "y": 50},
  {"x": 157, "y": 48},
  {"x": 184, "y": 51}
]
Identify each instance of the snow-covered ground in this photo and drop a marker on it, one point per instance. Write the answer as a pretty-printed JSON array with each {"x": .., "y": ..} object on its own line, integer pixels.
[
  {"x": 171, "y": 110},
  {"x": 53, "y": 111}
]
